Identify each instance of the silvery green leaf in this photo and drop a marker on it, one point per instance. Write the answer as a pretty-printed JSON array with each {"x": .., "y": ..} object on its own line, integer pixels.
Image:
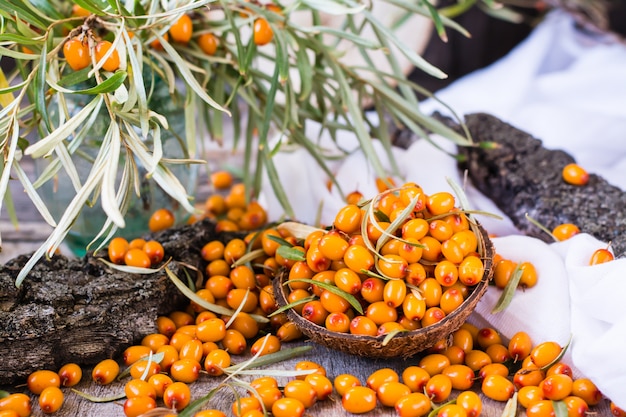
[
  {"x": 109, "y": 202},
  {"x": 46, "y": 145},
  {"x": 10, "y": 159}
]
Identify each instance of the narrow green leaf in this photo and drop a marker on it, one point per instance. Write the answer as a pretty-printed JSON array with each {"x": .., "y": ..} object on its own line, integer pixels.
[
  {"x": 333, "y": 289},
  {"x": 95, "y": 399},
  {"x": 291, "y": 254},
  {"x": 559, "y": 356},
  {"x": 292, "y": 305},
  {"x": 107, "y": 86},
  {"x": 560, "y": 408},
  {"x": 40, "y": 88},
  {"x": 271, "y": 358},
  {"x": 509, "y": 291},
  {"x": 333, "y": 7}
]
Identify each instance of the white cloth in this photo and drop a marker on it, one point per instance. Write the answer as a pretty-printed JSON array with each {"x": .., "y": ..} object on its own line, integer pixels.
[{"x": 567, "y": 89}]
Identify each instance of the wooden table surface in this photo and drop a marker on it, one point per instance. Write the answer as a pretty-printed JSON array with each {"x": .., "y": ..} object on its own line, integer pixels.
[{"x": 32, "y": 231}]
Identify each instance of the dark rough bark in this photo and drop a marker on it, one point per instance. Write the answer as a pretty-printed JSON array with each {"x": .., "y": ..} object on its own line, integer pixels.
[
  {"x": 521, "y": 176},
  {"x": 80, "y": 310}
]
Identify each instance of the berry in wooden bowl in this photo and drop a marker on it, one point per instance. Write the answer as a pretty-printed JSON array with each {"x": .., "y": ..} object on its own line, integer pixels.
[{"x": 391, "y": 277}]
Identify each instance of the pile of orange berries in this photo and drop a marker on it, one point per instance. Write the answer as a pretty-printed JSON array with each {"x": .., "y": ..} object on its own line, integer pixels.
[
  {"x": 230, "y": 207},
  {"x": 405, "y": 279},
  {"x": 505, "y": 268},
  {"x": 138, "y": 252}
]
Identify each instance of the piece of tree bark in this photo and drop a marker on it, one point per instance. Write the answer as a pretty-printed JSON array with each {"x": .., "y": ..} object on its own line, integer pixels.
[
  {"x": 522, "y": 177},
  {"x": 82, "y": 311}
]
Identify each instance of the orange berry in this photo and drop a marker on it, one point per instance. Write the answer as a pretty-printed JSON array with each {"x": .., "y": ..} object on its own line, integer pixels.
[
  {"x": 565, "y": 230},
  {"x": 221, "y": 179},
  {"x": 177, "y": 396},
  {"x": 601, "y": 256},
  {"x": 117, "y": 250},
  {"x": 19, "y": 403},
  {"x": 138, "y": 406},
  {"x": 51, "y": 399},
  {"x": 70, "y": 374},
  {"x": 263, "y": 32},
  {"x": 39, "y": 380},
  {"x": 390, "y": 392},
  {"x": 155, "y": 251},
  {"x": 587, "y": 390},
  {"x": 575, "y": 174},
  {"x": 288, "y": 407},
  {"x": 182, "y": 30},
  {"x": 415, "y": 404},
  {"x": 359, "y": 400},
  {"x": 161, "y": 219},
  {"x": 301, "y": 390},
  {"x": 112, "y": 63},
  {"x": 137, "y": 258},
  {"x": 208, "y": 42},
  {"x": 497, "y": 387},
  {"x": 105, "y": 371},
  {"x": 76, "y": 54}
]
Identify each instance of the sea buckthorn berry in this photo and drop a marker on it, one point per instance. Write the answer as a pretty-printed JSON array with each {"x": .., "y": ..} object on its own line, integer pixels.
[
  {"x": 503, "y": 271},
  {"x": 431, "y": 249},
  {"x": 354, "y": 197},
  {"x": 51, "y": 399},
  {"x": 440, "y": 230},
  {"x": 359, "y": 400},
  {"x": 528, "y": 395},
  {"x": 411, "y": 251},
  {"x": 144, "y": 369},
  {"x": 348, "y": 219},
  {"x": 451, "y": 299},
  {"x": 415, "y": 229},
  {"x": 192, "y": 350},
  {"x": 244, "y": 404},
  {"x": 244, "y": 298},
  {"x": 133, "y": 353},
  {"x": 470, "y": 402},
  {"x": 556, "y": 387},
  {"x": 347, "y": 280},
  {"x": 333, "y": 246},
  {"x": 452, "y": 251},
  {"x": 431, "y": 292},
  {"x": 205, "y": 413},
  {"x": 217, "y": 267},
  {"x": 358, "y": 258},
  {"x": 234, "y": 342},
  {"x": 343, "y": 382},
  {"x": 413, "y": 307},
  {"x": 438, "y": 388},
  {"x": 520, "y": 346},
  {"x": 308, "y": 366},
  {"x": 415, "y": 404},
  {"x": 138, "y": 388},
  {"x": 452, "y": 410},
  {"x": 529, "y": 277},
  {"x": 467, "y": 240},
  {"x": 220, "y": 179},
  {"x": 137, "y": 258},
  {"x": 574, "y": 174},
  {"x": 321, "y": 384},
  {"x": 392, "y": 266},
  {"x": 587, "y": 390},
  {"x": 497, "y": 388},
  {"x": 212, "y": 250},
  {"x": 219, "y": 285},
  {"x": 288, "y": 407},
  {"x": 316, "y": 260},
  {"x": 117, "y": 250},
  {"x": 112, "y": 63},
  {"x": 415, "y": 378},
  {"x": 333, "y": 303},
  {"x": 234, "y": 249},
  {"x": 455, "y": 354},
  {"x": 315, "y": 312},
  {"x": 471, "y": 270},
  {"x": 528, "y": 377},
  {"x": 476, "y": 359},
  {"x": 76, "y": 53},
  {"x": 372, "y": 289},
  {"x": 601, "y": 256},
  {"x": 461, "y": 376},
  {"x": 245, "y": 324},
  {"x": 576, "y": 406},
  {"x": 545, "y": 353},
  {"x": 434, "y": 363},
  {"x": 262, "y": 32},
  {"x": 394, "y": 292},
  {"x": 564, "y": 231},
  {"x": 177, "y": 396},
  {"x": 265, "y": 345},
  {"x": 161, "y": 219},
  {"x": 17, "y": 404},
  {"x": 381, "y": 312},
  {"x": 155, "y": 341},
  {"x": 560, "y": 368},
  {"x": 390, "y": 392},
  {"x": 138, "y": 405},
  {"x": 165, "y": 326},
  {"x": 70, "y": 374},
  {"x": 39, "y": 380},
  {"x": 440, "y": 203},
  {"x": 488, "y": 336},
  {"x": 170, "y": 355},
  {"x": 338, "y": 322},
  {"x": 363, "y": 325},
  {"x": 542, "y": 408},
  {"x": 268, "y": 396},
  {"x": 380, "y": 376},
  {"x": 446, "y": 273},
  {"x": 432, "y": 315},
  {"x": 302, "y": 391},
  {"x": 242, "y": 276},
  {"x": 493, "y": 369},
  {"x": 211, "y": 330},
  {"x": 182, "y": 29},
  {"x": 463, "y": 339},
  {"x": 300, "y": 270},
  {"x": 208, "y": 43},
  {"x": 105, "y": 371}
]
